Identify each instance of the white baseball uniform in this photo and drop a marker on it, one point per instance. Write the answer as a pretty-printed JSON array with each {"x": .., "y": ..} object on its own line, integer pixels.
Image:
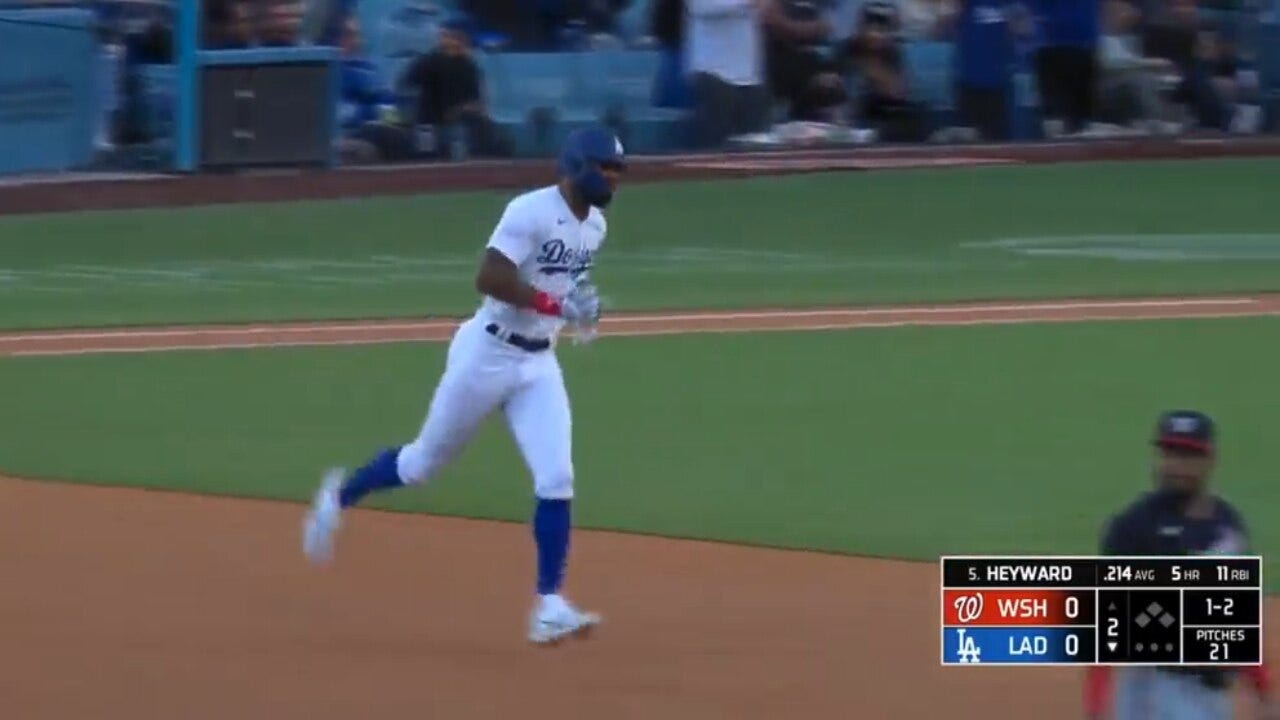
[{"x": 552, "y": 250}]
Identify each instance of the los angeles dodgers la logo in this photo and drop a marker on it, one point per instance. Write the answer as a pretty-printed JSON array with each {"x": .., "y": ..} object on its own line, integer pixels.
[
  {"x": 967, "y": 651},
  {"x": 968, "y": 607}
]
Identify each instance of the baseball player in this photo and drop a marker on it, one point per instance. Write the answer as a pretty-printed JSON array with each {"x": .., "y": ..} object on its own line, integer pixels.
[
  {"x": 1180, "y": 517},
  {"x": 534, "y": 278}
]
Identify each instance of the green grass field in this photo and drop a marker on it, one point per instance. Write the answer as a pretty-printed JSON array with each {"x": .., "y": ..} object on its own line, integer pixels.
[
  {"x": 841, "y": 238},
  {"x": 896, "y": 441},
  {"x": 904, "y": 442}
]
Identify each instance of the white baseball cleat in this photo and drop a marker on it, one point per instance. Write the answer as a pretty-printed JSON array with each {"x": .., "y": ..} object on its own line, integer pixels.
[
  {"x": 554, "y": 619},
  {"x": 325, "y": 518}
]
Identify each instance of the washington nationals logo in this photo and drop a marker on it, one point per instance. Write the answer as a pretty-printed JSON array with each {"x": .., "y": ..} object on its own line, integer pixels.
[{"x": 968, "y": 607}]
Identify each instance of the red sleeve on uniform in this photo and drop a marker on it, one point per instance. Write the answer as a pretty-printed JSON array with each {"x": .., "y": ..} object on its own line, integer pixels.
[
  {"x": 1259, "y": 677},
  {"x": 1097, "y": 690}
]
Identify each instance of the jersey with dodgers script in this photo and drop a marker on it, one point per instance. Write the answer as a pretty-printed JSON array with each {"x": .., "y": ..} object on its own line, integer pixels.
[{"x": 551, "y": 250}]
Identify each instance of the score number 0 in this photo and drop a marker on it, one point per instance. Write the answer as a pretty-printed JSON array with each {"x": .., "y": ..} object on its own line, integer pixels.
[{"x": 1071, "y": 608}]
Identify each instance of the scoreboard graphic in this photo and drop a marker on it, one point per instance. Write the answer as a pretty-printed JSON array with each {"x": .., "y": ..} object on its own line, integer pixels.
[{"x": 1070, "y": 610}]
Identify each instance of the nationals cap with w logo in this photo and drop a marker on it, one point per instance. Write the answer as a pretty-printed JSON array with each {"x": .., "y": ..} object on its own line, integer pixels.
[{"x": 1185, "y": 430}]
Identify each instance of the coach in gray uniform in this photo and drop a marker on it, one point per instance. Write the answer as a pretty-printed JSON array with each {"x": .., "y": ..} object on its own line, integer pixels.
[{"x": 1179, "y": 517}]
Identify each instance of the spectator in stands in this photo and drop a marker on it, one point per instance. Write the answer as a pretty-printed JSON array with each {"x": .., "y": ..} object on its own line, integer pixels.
[
  {"x": 986, "y": 32},
  {"x": 225, "y": 25},
  {"x": 666, "y": 22},
  {"x": 1236, "y": 85},
  {"x": 512, "y": 24},
  {"x": 324, "y": 21},
  {"x": 724, "y": 56},
  {"x": 927, "y": 19},
  {"x": 666, "y": 25},
  {"x": 875, "y": 53},
  {"x": 367, "y": 112},
  {"x": 594, "y": 16},
  {"x": 278, "y": 22},
  {"x": 1132, "y": 86},
  {"x": 448, "y": 84},
  {"x": 799, "y": 72},
  {"x": 1175, "y": 35},
  {"x": 1066, "y": 63}
]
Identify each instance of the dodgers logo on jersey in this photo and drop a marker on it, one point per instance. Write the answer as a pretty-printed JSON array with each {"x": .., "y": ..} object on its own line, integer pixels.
[{"x": 556, "y": 258}]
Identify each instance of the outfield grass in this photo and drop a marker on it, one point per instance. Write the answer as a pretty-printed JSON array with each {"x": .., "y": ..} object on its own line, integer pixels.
[
  {"x": 905, "y": 442},
  {"x": 838, "y": 238}
]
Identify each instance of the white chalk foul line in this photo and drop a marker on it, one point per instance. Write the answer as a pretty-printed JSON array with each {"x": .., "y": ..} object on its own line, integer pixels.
[
  {"x": 380, "y": 327},
  {"x": 646, "y": 332}
]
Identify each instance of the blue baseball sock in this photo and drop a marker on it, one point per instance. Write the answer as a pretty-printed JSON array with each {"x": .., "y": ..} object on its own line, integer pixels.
[
  {"x": 379, "y": 474},
  {"x": 551, "y": 532}
]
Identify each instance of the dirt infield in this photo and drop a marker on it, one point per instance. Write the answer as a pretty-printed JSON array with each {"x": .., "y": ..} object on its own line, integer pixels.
[
  {"x": 133, "y": 604},
  {"x": 155, "y": 339}
]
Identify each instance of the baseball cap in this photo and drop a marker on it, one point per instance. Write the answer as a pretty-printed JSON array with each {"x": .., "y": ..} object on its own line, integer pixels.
[{"x": 1185, "y": 430}]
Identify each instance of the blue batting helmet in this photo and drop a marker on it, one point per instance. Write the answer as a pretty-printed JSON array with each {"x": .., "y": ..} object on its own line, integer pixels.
[{"x": 584, "y": 153}]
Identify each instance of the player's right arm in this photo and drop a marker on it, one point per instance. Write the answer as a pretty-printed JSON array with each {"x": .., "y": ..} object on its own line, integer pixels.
[{"x": 499, "y": 279}]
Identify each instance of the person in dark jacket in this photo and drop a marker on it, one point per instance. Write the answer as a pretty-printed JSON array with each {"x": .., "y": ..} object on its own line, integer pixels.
[
  {"x": 875, "y": 53},
  {"x": 1180, "y": 516},
  {"x": 448, "y": 82},
  {"x": 1066, "y": 64},
  {"x": 798, "y": 71},
  {"x": 1177, "y": 35}
]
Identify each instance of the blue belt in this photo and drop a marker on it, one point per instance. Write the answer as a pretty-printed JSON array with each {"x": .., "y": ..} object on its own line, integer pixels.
[{"x": 517, "y": 340}]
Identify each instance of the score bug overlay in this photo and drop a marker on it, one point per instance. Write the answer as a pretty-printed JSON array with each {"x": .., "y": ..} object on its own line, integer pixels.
[{"x": 1067, "y": 610}]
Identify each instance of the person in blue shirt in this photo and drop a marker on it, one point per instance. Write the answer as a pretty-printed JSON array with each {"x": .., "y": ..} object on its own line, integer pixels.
[
  {"x": 1066, "y": 65},
  {"x": 365, "y": 97},
  {"x": 371, "y": 126},
  {"x": 984, "y": 59}
]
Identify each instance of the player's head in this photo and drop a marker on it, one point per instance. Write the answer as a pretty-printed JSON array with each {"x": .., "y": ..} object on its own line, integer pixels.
[
  {"x": 1184, "y": 452},
  {"x": 591, "y": 161}
]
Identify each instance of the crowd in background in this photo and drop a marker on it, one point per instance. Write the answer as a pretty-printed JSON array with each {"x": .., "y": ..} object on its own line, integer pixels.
[
  {"x": 739, "y": 66},
  {"x": 1101, "y": 66}
]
